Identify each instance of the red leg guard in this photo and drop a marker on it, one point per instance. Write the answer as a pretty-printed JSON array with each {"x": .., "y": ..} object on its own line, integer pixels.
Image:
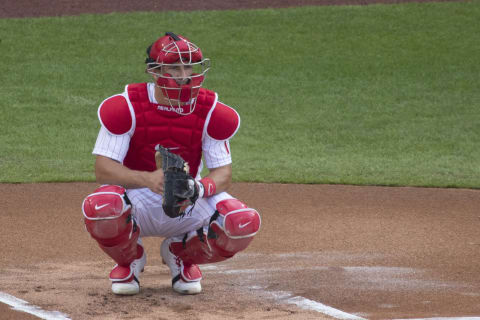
[
  {"x": 123, "y": 253},
  {"x": 122, "y": 273},
  {"x": 109, "y": 221},
  {"x": 231, "y": 230}
]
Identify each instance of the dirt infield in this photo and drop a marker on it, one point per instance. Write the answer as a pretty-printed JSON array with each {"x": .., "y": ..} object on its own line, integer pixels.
[
  {"x": 35, "y": 8},
  {"x": 370, "y": 252},
  {"x": 378, "y": 253}
]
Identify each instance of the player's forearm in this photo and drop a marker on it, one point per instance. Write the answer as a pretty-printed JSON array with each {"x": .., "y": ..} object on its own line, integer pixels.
[
  {"x": 108, "y": 171},
  {"x": 222, "y": 178}
]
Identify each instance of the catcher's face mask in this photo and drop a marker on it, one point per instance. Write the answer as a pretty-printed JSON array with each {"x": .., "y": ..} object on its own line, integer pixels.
[{"x": 179, "y": 70}]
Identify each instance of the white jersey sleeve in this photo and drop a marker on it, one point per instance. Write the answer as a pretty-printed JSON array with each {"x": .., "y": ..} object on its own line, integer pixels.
[
  {"x": 112, "y": 146},
  {"x": 216, "y": 152}
]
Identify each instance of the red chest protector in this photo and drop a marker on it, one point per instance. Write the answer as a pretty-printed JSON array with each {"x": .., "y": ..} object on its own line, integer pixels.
[{"x": 158, "y": 124}]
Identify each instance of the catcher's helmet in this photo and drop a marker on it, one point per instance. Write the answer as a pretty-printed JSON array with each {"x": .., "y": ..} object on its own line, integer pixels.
[{"x": 176, "y": 51}]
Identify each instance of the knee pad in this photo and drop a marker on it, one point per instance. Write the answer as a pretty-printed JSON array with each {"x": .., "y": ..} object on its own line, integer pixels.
[
  {"x": 235, "y": 225},
  {"x": 231, "y": 230},
  {"x": 108, "y": 219}
]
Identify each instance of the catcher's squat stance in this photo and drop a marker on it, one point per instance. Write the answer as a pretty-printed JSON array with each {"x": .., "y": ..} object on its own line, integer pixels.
[{"x": 149, "y": 158}]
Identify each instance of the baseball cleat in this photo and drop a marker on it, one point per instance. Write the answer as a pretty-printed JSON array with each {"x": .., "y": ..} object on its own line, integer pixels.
[
  {"x": 125, "y": 279},
  {"x": 185, "y": 277},
  {"x": 126, "y": 287},
  {"x": 183, "y": 287}
]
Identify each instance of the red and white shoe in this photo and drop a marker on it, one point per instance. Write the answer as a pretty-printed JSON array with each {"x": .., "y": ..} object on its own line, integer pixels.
[
  {"x": 125, "y": 279},
  {"x": 185, "y": 277}
]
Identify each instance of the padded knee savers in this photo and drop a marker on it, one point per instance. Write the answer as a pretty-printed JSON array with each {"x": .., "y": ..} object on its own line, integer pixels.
[
  {"x": 231, "y": 230},
  {"x": 108, "y": 219},
  {"x": 235, "y": 225}
]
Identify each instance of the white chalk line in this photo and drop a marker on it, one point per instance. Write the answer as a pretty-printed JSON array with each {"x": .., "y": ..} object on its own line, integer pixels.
[
  {"x": 447, "y": 318},
  {"x": 308, "y": 304},
  {"x": 24, "y": 306},
  {"x": 301, "y": 302},
  {"x": 285, "y": 297}
]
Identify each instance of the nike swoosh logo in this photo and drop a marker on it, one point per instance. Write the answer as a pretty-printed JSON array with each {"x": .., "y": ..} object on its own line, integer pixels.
[
  {"x": 102, "y": 206},
  {"x": 241, "y": 226}
]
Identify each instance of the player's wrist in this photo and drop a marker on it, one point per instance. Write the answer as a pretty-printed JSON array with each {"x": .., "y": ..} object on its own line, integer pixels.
[
  {"x": 206, "y": 187},
  {"x": 200, "y": 188}
]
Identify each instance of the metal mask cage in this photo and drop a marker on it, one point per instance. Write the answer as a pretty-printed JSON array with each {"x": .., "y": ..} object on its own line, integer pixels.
[
  {"x": 192, "y": 51},
  {"x": 200, "y": 67},
  {"x": 180, "y": 91}
]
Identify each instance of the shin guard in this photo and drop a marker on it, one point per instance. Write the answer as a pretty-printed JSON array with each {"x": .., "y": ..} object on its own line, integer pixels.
[
  {"x": 231, "y": 230},
  {"x": 109, "y": 221}
]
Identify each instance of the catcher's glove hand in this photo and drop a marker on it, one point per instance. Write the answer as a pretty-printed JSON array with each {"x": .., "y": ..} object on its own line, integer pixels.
[{"x": 180, "y": 189}]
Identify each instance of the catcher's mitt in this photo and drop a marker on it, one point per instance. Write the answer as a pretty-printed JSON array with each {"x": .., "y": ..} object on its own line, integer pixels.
[{"x": 180, "y": 189}]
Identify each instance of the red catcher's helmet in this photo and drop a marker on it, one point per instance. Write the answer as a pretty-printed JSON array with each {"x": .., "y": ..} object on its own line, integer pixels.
[{"x": 176, "y": 51}]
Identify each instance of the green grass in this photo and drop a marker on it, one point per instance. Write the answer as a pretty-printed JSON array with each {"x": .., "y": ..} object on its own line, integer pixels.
[{"x": 380, "y": 94}]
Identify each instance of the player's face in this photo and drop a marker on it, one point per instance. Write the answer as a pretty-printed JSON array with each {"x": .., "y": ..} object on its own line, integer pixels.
[{"x": 181, "y": 73}]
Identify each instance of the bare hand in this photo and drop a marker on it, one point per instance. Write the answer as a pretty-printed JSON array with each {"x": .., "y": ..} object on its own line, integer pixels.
[{"x": 156, "y": 181}]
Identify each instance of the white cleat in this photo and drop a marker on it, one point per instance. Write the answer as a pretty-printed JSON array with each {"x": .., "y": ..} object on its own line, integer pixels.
[
  {"x": 183, "y": 287},
  {"x": 185, "y": 277},
  {"x": 125, "y": 279},
  {"x": 126, "y": 288}
]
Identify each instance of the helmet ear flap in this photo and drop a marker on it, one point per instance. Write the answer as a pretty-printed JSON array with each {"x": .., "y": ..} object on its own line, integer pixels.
[
  {"x": 149, "y": 49},
  {"x": 149, "y": 59}
]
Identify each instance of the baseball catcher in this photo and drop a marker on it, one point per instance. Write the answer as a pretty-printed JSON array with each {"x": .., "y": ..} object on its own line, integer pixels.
[{"x": 155, "y": 138}]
